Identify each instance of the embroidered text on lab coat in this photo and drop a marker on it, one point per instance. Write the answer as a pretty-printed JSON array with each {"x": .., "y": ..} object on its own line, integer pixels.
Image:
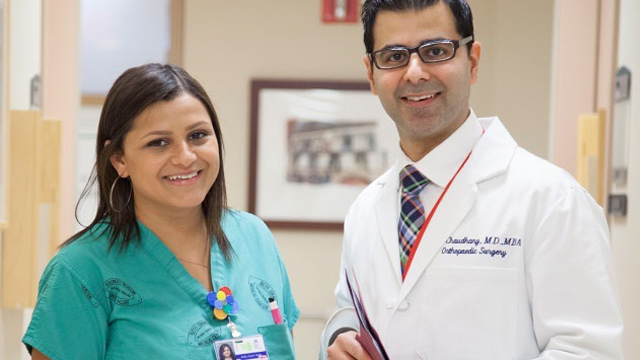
[{"x": 493, "y": 246}]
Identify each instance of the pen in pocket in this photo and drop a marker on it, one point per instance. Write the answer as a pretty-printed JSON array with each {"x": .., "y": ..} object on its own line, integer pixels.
[{"x": 275, "y": 311}]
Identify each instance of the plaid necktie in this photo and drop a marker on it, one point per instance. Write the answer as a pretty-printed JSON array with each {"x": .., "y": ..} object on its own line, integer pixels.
[{"x": 411, "y": 211}]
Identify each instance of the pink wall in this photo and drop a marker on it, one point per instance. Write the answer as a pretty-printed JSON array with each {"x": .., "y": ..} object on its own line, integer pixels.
[
  {"x": 61, "y": 95},
  {"x": 575, "y": 76}
]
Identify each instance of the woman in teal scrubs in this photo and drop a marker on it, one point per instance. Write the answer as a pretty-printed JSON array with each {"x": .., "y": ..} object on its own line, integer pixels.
[
  {"x": 142, "y": 280},
  {"x": 226, "y": 353}
]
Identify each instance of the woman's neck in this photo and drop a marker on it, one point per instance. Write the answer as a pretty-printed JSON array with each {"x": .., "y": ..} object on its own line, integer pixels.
[
  {"x": 184, "y": 233},
  {"x": 181, "y": 231}
]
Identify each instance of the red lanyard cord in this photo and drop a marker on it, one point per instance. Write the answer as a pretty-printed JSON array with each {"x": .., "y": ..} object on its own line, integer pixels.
[{"x": 428, "y": 219}]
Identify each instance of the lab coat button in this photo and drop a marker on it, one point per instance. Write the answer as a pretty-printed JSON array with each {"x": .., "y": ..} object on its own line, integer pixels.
[
  {"x": 390, "y": 304},
  {"x": 404, "y": 305}
]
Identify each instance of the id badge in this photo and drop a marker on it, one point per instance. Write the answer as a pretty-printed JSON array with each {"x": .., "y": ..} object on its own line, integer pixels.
[{"x": 249, "y": 347}]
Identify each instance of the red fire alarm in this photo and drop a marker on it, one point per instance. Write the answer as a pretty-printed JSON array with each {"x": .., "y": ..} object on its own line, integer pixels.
[{"x": 340, "y": 11}]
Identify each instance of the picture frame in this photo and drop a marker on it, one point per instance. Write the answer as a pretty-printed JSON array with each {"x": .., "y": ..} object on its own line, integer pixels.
[{"x": 314, "y": 146}]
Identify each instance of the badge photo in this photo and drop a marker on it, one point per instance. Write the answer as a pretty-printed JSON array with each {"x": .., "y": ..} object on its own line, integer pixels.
[{"x": 250, "y": 347}]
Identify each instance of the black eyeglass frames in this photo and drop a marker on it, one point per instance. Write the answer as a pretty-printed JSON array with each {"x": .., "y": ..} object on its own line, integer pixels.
[{"x": 429, "y": 52}]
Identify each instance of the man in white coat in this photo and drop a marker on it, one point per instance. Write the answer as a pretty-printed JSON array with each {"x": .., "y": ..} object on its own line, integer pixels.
[{"x": 469, "y": 247}]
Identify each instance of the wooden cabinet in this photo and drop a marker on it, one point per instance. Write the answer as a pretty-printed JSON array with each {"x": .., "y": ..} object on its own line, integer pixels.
[{"x": 31, "y": 233}]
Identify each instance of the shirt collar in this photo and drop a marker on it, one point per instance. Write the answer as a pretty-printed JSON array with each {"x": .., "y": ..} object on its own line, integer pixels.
[{"x": 441, "y": 163}]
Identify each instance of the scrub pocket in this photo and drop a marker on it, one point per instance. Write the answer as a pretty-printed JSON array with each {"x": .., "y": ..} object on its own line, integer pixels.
[{"x": 279, "y": 342}]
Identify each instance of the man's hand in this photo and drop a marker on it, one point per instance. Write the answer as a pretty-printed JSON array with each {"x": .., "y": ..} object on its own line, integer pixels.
[{"x": 347, "y": 347}]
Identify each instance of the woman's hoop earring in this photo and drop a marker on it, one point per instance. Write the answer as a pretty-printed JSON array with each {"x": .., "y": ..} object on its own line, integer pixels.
[{"x": 113, "y": 186}]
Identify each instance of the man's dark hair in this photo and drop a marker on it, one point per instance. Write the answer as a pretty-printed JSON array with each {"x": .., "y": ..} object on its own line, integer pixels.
[{"x": 460, "y": 9}]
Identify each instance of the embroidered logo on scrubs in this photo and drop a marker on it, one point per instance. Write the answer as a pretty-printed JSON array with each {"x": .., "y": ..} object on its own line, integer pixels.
[
  {"x": 261, "y": 291},
  {"x": 86, "y": 293},
  {"x": 121, "y": 293},
  {"x": 202, "y": 334}
]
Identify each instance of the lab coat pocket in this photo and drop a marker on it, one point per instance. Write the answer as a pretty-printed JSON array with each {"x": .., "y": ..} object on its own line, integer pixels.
[
  {"x": 469, "y": 313},
  {"x": 278, "y": 340}
]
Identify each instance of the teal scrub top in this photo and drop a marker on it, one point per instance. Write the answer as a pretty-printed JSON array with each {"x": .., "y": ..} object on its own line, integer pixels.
[{"x": 141, "y": 303}]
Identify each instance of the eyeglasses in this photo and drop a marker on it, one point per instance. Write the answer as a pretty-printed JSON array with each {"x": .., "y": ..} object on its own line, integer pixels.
[{"x": 429, "y": 52}]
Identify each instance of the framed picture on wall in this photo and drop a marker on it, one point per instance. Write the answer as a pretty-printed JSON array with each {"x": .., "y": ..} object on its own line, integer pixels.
[{"x": 315, "y": 145}]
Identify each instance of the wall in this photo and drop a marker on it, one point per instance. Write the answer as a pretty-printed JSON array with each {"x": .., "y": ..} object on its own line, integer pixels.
[
  {"x": 25, "y": 50},
  {"x": 3, "y": 112},
  {"x": 514, "y": 79},
  {"x": 229, "y": 43},
  {"x": 61, "y": 96},
  {"x": 575, "y": 76},
  {"x": 25, "y": 60},
  {"x": 624, "y": 231}
]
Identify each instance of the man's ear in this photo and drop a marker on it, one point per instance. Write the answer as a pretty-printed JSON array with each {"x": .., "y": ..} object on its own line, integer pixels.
[
  {"x": 117, "y": 161},
  {"x": 369, "y": 65},
  {"x": 474, "y": 59}
]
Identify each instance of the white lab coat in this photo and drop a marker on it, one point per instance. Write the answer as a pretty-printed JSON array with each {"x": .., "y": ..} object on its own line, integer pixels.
[{"x": 547, "y": 292}]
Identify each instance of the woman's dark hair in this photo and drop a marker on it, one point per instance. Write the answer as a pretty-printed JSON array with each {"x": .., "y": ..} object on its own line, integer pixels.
[
  {"x": 221, "y": 350},
  {"x": 133, "y": 92},
  {"x": 460, "y": 9}
]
